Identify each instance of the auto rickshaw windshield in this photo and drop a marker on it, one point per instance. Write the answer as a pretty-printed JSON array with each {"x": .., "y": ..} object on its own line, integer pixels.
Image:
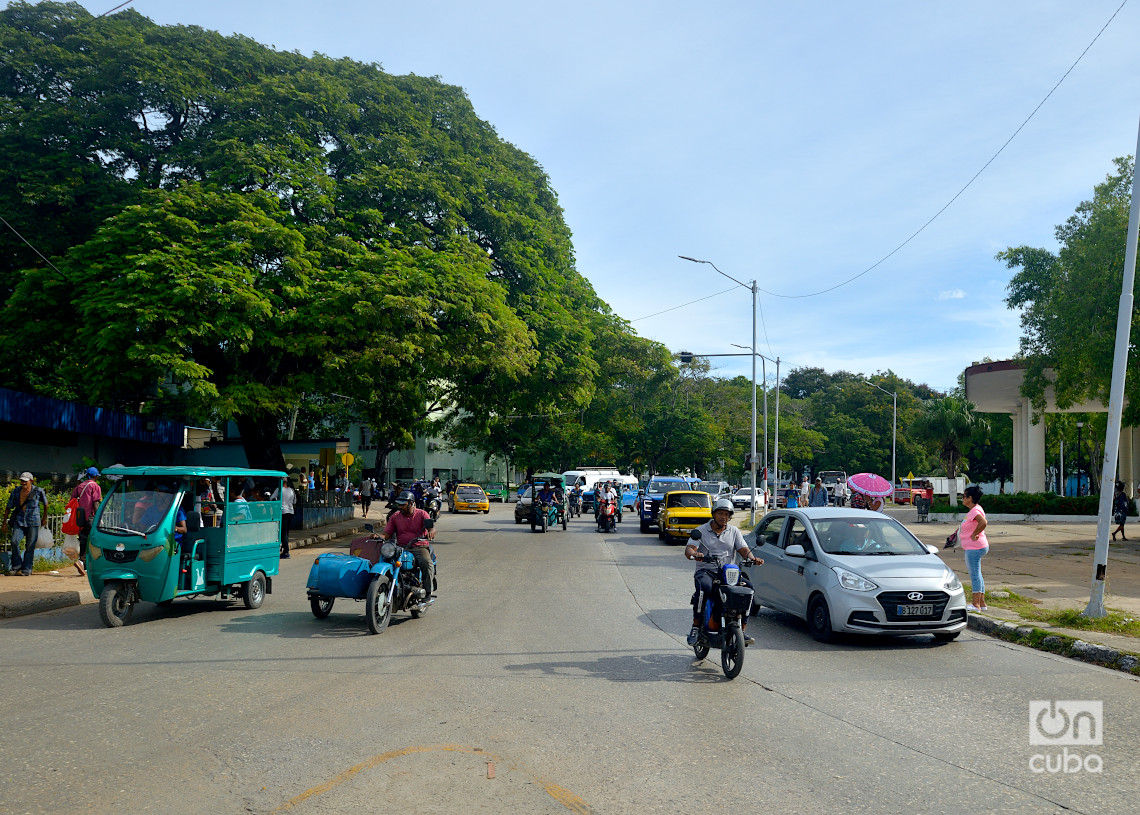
[{"x": 136, "y": 505}]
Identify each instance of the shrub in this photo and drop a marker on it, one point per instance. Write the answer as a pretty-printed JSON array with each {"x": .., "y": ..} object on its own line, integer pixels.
[{"x": 1035, "y": 503}]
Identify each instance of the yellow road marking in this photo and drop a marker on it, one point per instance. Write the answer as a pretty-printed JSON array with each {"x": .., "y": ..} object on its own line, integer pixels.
[{"x": 569, "y": 800}]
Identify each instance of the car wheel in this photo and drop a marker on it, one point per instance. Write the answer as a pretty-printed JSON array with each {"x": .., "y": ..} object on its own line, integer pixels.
[
  {"x": 819, "y": 619},
  {"x": 644, "y": 528}
]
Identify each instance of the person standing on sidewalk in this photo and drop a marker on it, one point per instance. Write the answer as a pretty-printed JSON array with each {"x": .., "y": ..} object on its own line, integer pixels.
[
  {"x": 972, "y": 536},
  {"x": 89, "y": 494},
  {"x": 365, "y": 496},
  {"x": 25, "y": 517},
  {"x": 288, "y": 499}
]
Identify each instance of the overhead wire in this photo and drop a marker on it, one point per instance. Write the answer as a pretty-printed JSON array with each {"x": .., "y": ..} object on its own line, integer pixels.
[{"x": 958, "y": 194}]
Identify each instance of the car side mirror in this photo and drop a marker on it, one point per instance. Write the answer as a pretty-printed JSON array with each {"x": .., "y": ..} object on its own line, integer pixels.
[
  {"x": 931, "y": 548},
  {"x": 795, "y": 550}
]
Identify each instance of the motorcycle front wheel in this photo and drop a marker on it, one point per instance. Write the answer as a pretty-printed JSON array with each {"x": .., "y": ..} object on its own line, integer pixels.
[
  {"x": 732, "y": 654},
  {"x": 378, "y": 609},
  {"x": 701, "y": 649}
]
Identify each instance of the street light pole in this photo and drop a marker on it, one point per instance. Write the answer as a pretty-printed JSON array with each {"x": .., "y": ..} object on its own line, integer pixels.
[
  {"x": 894, "y": 429},
  {"x": 752, "y": 288}
]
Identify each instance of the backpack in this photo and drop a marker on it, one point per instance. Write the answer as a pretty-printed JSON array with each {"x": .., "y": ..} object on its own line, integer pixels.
[{"x": 71, "y": 520}]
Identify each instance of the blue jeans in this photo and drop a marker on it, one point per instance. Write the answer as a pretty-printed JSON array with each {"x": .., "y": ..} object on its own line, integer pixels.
[
  {"x": 974, "y": 564},
  {"x": 29, "y": 535}
]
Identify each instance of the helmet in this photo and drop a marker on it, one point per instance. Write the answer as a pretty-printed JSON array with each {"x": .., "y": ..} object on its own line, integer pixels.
[
  {"x": 405, "y": 497},
  {"x": 723, "y": 503}
]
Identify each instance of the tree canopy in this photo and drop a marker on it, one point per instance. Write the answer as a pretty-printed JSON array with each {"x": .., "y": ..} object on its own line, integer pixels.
[{"x": 1069, "y": 300}]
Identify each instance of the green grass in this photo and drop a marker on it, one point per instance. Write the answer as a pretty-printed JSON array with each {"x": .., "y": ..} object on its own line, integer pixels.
[{"x": 1029, "y": 608}]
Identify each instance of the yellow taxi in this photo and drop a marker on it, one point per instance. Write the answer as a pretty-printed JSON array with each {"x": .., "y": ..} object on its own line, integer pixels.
[
  {"x": 468, "y": 498},
  {"x": 681, "y": 512}
]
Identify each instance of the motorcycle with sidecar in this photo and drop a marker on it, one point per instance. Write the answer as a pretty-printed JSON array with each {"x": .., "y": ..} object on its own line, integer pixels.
[{"x": 378, "y": 572}]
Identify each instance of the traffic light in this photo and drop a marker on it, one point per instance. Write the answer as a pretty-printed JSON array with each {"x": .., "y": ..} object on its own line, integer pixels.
[
  {"x": 748, "y": 462},
  {"x": 686, "y": 357}
]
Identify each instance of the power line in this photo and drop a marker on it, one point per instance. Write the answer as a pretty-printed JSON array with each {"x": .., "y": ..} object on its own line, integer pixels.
[
  {"x": 116, "y": 8},
  {"x": 34, "y": 249},
  {"x": 946, "y": 206},
  {"x": 674, "y": 308}
]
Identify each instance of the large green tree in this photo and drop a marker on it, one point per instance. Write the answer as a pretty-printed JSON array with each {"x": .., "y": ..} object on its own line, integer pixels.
[
  {"x": 948, "y": 423},
  {"x": 234, "y": 226},
  {"x": 1069, "y": 300}
]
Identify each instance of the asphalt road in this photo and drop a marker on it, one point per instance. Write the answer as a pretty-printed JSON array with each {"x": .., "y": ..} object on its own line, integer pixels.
[{"x": 551, "y": 676}]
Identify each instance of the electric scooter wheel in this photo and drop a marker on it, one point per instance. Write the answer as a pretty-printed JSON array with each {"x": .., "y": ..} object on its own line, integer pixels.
[
  {"x": 321, "y": 606},
  {"x": 115, "y": 606},
  {"x": 701, "y": 649},
  {"x": 732, "y": 654}
]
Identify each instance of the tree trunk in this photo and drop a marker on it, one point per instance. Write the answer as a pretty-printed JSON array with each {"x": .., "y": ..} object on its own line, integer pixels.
[{"x": 261, "y": 442}]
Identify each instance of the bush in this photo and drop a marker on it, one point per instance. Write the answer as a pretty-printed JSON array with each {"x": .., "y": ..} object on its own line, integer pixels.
[{"x": 1034, "y": 503}]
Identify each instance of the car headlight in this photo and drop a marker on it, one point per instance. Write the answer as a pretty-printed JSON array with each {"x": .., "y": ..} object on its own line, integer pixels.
[
  {"x": 952, "y": 582},
  {"x": 852, "y": 581}
]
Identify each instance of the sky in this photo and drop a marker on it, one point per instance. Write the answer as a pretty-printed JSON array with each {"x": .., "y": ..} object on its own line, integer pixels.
[{"x": 796, "y": 144}]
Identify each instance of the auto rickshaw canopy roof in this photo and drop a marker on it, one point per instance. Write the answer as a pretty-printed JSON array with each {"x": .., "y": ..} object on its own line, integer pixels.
[
  {"x": 191, "y": 472},
  {"x": 551, "y": 477}
]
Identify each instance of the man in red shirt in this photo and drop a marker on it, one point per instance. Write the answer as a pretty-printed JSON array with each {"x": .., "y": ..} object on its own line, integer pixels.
[{"x": 409, "y": 525}]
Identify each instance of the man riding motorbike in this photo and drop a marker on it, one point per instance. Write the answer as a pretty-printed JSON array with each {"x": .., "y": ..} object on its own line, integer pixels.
[
  {"x": 722, "y": 541},
  {"x": 408, "y": 525}
]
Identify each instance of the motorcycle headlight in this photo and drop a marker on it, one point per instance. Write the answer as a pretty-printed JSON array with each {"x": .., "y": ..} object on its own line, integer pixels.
[
  {"x": 731, "y": 575},
  {"x": 852, "y": 581},
  {"x": 952, "y": 582},
  {"x": 387, "y": 550}
]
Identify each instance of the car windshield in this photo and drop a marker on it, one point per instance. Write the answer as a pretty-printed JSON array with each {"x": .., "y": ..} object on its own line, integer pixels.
[
  {"x": 469, "y": 492},
  {"x": 745, "y": 493},
  {"x": 866, "y": 536},
  {"x": 662, "y": 486},
  {"x": 136, "y": 505},
  {"x": 689, "y": 500}
]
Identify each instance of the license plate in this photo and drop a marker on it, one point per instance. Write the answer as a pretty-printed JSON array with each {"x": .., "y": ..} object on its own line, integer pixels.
[{"x": 916, "y": 611}]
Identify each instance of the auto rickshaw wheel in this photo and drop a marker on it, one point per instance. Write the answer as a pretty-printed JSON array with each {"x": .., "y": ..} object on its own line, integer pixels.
[
  {"x": 321, "y": 606},
  {"x": 254, "y": 593},
  {"x": 377, "y": 607},
  {"x": 115, "y": 604}
]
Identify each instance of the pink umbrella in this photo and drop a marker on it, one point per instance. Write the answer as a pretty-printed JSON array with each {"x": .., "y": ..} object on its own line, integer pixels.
[{"x": 870, "y": 484}]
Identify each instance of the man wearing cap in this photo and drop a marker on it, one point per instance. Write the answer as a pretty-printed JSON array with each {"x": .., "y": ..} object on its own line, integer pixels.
[
  {"x": 89, "y": 494},
  {"x": 24, "y": 513},
  {"x": 818, "y": 495},
  {"x": 409, "y": 525}
]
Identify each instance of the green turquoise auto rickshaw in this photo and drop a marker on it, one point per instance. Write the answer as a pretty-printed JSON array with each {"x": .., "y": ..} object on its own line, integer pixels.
[{"x": 167, "y": 532}]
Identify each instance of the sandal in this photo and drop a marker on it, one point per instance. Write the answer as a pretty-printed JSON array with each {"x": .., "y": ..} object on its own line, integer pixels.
[{"x": 79, "y": 568}]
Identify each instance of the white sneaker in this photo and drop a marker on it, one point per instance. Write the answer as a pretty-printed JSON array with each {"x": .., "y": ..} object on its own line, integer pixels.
[
  {"x": 985, "y": 608},
  {"x": 972, "y": 607}
]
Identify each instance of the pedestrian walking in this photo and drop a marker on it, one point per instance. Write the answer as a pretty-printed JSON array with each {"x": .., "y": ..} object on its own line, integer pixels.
[
  {"x": 818, "y": 495},
  {"x": 288, "y": 497},
  {"x": 24, "y": 516},
  {"x": 365, "y": 496},
  {"x": 88, "y": 493},
  {"x": 972, "y": 537},
  {"x": 1119, "y": 510}
]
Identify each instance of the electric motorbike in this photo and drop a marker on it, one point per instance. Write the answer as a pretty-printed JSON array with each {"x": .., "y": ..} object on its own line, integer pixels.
[
  {"x": 544, "y": 515},
  {"x": 575, "y": 504},
  {"x": 721, "y": 616}
]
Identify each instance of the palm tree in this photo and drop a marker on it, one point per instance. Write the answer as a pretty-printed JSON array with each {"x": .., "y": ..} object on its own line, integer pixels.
[{"x": 948, "y": 423}]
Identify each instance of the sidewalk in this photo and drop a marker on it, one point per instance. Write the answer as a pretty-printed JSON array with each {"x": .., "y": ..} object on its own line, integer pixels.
[
  {"x": 44, "y": 591},
  {"x": 1052, "y": 563}
]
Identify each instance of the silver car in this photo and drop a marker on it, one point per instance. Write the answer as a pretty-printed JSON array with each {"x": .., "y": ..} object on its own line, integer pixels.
[{"x": 856, "y": 571}]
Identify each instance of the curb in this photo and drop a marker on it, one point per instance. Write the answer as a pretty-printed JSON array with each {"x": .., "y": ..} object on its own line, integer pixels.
[
  {"x": 64, "y": 599},
  {"x": 1032, "y": 636}
]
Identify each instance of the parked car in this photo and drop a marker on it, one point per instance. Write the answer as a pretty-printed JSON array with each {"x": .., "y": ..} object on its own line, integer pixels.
[
  {"x": 496, "y": 491},
  {"x": 468, "y": 498},
  {"x": 852, "y": 570},
  {"x": 744, "y": 498},
  {"x": 682, "y": 511}
]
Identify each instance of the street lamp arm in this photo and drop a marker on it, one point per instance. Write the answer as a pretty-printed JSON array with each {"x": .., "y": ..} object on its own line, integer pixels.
[{"x": 718, "y": 271}]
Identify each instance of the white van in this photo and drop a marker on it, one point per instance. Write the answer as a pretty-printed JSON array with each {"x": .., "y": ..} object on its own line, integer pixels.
[{"x": 586, "y": 477}]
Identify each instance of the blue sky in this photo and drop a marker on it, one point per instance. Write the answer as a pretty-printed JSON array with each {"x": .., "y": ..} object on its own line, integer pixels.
[{"x": 791, "y": 143}]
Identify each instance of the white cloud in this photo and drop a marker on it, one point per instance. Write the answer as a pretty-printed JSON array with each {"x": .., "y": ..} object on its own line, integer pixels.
[{"x": 952, "y": 294}]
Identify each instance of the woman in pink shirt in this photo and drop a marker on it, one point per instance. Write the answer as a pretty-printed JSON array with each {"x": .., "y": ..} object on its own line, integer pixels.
[{"x": 972, "y": 536}]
